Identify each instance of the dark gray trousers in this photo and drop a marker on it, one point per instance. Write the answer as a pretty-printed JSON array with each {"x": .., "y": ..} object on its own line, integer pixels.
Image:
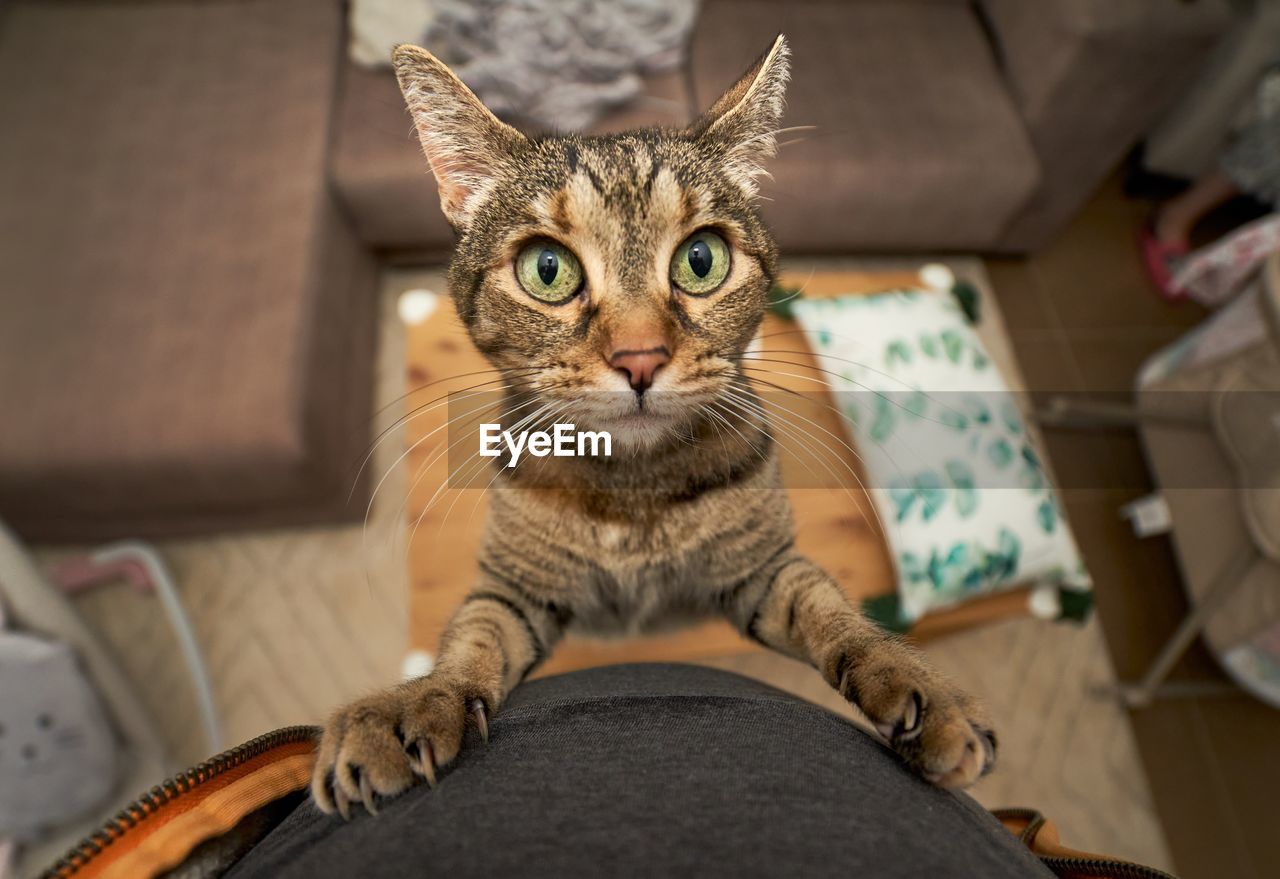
[{"x": 657, "y": 770}]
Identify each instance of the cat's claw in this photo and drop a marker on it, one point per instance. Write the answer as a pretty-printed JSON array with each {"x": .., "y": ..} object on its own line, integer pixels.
[
  {"x": 481, "y": 715},
  {"x": 340, "y": 800},
  {"x": 937, "y": 730},
  {"x": 380, "y": 746},
  {"x": 366, "y": 795},
  {"x": 423, "y": 760}
]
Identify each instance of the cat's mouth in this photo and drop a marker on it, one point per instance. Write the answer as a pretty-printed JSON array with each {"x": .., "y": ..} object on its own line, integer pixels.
[
  {"x": 671, "y": 411},
  {"x": 636, "y": 422}
]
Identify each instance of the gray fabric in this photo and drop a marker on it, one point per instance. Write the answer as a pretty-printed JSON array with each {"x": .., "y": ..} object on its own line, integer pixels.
[
  {"x": 658, "y": 770},
  {"x": 555, "y": 64}
]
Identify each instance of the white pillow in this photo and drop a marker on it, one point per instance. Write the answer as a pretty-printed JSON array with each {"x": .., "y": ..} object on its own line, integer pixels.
[{"x": 958, "y": 484}]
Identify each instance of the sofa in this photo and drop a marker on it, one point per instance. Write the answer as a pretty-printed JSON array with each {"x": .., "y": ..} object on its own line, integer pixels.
[
  {"x": 197, "y": 195},
  {"x": 936, "y": 125}
]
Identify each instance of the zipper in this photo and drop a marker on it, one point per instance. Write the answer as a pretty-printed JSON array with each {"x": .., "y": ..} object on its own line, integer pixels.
[
  {"x": 1060, "y": 865},
  {"x": 137, "y": 811},
  {"x": 1100, "y": 867}
]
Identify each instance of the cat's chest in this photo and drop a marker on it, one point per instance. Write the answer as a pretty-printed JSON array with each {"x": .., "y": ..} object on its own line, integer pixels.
[
  {"x": 632, "y": 591},
  {"x": 643, "y": 578},
  {"x": 623, "y": 576}
]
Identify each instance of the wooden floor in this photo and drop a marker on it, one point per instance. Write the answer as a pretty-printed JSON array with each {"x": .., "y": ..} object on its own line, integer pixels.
[{"x": 1082, "y": 318}]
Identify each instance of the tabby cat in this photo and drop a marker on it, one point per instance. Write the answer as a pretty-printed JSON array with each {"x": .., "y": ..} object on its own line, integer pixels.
[{"x": 616, "y": 281}]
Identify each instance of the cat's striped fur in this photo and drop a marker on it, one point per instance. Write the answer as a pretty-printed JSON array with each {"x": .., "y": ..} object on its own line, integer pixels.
[{"x": 688, "y": 518}]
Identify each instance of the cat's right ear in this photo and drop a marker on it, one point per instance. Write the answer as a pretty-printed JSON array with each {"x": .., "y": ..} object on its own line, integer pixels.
[
  {"x": 743, "y": 124},
  {"x": 465, "y": 144}
]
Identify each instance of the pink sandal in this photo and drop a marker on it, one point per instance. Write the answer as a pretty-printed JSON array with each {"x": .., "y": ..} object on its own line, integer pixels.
[{"x": 1161, "y": 260}]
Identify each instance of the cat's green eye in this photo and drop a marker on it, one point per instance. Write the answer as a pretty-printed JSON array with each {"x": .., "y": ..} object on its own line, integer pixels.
[
  {"x": 700, "y": 265},
  {"x": 549, "y": 272}
]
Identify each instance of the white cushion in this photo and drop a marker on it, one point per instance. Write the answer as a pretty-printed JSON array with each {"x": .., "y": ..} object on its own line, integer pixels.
[{"x": 958, "y": 484}]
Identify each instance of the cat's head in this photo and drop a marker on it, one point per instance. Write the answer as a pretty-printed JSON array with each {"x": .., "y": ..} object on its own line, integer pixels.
[{"x": 615, "y": 278}]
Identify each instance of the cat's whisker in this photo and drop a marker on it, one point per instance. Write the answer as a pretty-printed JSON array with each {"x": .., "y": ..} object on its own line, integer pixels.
[
  {"x": 449, "y": 474},
  {"x": 731, "y": 408},
  {"x": 497, "y": 474},
  {"x": 790, "y": 128},
  {"x": 794, "y": 296},
  {"x": 879, "y": 446},
  {"x": 797, "y": 436},
  {"x": 782, "y": 409},
  {"x": 477, "y": 463},
  {"x": 731, "y": 412},
  {"x": 810, "y": 444},
  {"x": 364, "y": 536},
  {"x": 804, "y": 285},
  {"x": 474, "y": 413},
  {"x": 409, "y": 393},
  {"x": 802, "y": 435},
  {"x": 757, "y": 372},
  {"x": 452, "y": 477},
  {"x": 861, "y": 365},
  {"x": 827, "y": 385},
  {"x": 716, "y": 420},
  {"x": 409, "y": 416},
  {"x": 884, "y": 395},
  {"x": 447, "y": 399},
  {"x": 803, "y": 332},
  {"x": 799, "y": 331},
  {"x": 421, "y": 471},
  {"x": 761, "y": 420},
  {"x": 829, "y": 407},
  {"x": 758, "y": 412}
]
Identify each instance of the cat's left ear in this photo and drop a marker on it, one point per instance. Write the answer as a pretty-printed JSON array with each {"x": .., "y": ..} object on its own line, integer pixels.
[
  {"x": 466, "y": 146},
  {"x": 744, "y": 122}
]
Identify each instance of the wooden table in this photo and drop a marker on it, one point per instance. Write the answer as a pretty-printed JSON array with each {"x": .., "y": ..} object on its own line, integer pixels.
[{"x": 837, "y": 526}]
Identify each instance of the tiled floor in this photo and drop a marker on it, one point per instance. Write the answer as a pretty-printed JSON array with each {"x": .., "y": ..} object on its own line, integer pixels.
[{"x": 1082, "y": 317}]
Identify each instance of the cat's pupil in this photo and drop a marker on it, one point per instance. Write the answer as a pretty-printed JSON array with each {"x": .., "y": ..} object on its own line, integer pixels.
[
  {"x": 700, "y": 258},
  {"x": 548, "y": 267}
]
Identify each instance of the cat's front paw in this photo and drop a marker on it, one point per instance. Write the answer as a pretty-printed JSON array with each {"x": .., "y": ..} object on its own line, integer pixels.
[
  {"x": 385, "y": 743},
  {"x": 941, "y": 733}
]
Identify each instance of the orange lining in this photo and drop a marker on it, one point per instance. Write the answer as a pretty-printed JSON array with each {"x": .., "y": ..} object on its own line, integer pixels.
[{"x": 166, "y": 837}]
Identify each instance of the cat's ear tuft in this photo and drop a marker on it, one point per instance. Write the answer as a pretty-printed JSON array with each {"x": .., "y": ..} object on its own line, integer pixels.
[
  {"x": 744, "y": 122},
  {"x": 465, "y": 144}
]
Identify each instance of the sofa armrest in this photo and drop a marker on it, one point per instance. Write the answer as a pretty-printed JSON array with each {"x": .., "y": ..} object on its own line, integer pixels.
[{"x": 1090, "y": 77}]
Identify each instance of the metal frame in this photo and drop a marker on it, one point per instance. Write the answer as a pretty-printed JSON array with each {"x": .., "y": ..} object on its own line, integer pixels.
[{"x": 1092, "y": 414}]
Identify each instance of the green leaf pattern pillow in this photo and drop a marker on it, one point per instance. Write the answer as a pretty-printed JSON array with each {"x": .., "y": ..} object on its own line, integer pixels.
[{"x": 956, "y": 480}]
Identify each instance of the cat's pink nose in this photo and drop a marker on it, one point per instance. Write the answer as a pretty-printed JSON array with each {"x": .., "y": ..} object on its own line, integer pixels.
[{"x": 639, "y": 365}]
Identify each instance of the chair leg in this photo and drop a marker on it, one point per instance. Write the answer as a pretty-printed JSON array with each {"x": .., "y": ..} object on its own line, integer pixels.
[
  {"x": 1142, "y": 693},
  {"x": 1097, "y": 414}
]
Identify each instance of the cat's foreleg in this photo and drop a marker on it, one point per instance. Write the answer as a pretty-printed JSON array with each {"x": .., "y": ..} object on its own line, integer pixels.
[
  {"x": 796, "y": 608},
  {"x": 384, "y": 743}
]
